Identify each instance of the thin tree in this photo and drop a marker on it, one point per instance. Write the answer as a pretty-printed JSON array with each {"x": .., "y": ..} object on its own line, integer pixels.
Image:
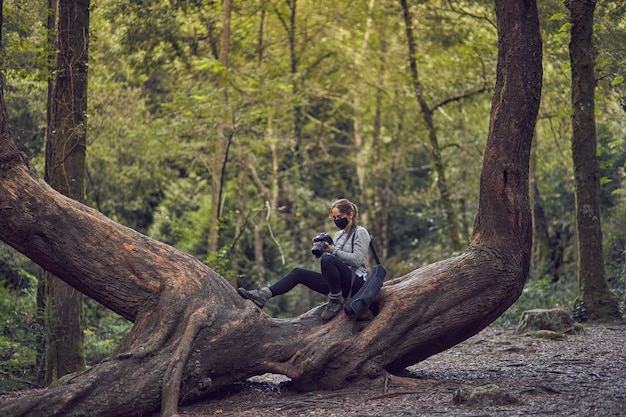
[
  {"x": 361, "y": 153},
  {"x": 65, "y": 172},
  {"x": 381, "y": 220},
  {"x": 595, "y": 300},
  {"x": 541, "y": 264},
  {"x": 429, "y": 124},
  {"x": 295, "y": 159},
  {"x": 225, "y": 135},
  {"x": 193, "y": 334}
]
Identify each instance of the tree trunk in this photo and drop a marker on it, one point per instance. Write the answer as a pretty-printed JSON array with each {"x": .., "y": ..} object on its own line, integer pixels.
[
  {"x": 360, "y": 152},
  {"x": 598, "y": 302},
  {"x": 295, "y": 159},
  {"x": 435, "y": 150},
  {"x": 377, "y": 223},
  {"x": 225, "y": 133},
  {"x": 541, "y": 262},
  {"x": 65, "y": 170},
  {"x": 391, "y": 190},
  {"x": 193, "y": 334}
]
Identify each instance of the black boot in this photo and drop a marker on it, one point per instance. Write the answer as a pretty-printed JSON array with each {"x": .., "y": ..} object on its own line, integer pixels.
[
  {"x": 258, "y": 296},
  {"x": 334, "y": 306}
]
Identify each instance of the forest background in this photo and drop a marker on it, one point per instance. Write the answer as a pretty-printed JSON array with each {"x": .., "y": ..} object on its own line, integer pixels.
[{"x": 235, "y": 154}]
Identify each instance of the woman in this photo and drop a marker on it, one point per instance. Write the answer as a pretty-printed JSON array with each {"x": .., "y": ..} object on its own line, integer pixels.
[{"x": 347, "y": 253}]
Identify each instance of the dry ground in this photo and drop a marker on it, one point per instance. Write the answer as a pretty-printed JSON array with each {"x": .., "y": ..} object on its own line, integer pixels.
[{"x": 580, "y": 375}]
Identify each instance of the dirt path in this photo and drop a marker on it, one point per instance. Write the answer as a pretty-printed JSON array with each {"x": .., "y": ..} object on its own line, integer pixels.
[{"x": 581, "y": 375}]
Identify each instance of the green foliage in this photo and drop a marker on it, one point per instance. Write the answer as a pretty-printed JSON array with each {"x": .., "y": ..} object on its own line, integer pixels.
[
  {"x": 19, "y": 335},
  {"x": 540, "y": 293},
  {"x": 25, "y": 100},
  {"x": 103, "y": 331},
  {"x": 24, "y": 39},
  {"x": 614, "y": 232},
  {"x": 22, "y": 332},
  {"x": 16, "y": 271},
  {"x": 181, "y": 219},
  {"x": 128, "y": 160}
]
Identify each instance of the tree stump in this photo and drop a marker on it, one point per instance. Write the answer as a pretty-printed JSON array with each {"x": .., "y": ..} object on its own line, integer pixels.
[{"x": 553, "y": 320}]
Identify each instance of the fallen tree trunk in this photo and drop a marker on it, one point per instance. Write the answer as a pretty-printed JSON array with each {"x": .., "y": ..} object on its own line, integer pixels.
[{"x": 193, "y": 334}]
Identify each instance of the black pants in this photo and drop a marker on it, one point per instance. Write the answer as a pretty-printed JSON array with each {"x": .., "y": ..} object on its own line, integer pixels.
[{"x": 335, "y": 276}]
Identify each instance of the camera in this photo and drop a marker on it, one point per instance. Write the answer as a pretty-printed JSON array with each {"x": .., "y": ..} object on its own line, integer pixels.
[{"x": 318, "y": 246}]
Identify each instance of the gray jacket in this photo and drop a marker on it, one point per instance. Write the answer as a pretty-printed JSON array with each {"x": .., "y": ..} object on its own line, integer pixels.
[{"x": 352, "y": 256}]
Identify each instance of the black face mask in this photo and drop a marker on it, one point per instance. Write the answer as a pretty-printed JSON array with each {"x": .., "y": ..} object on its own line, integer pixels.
[{"x": 341, "y": 223}]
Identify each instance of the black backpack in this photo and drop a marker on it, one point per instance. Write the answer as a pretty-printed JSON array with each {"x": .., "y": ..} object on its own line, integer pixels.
[{"x": 357, "y": 303}]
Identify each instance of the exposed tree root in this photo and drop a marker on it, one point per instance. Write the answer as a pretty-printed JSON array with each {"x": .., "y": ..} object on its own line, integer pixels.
[{"x": 174, "y": 373}]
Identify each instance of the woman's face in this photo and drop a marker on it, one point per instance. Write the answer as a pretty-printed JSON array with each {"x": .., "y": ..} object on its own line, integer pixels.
[{"x": 338, "y": 214}]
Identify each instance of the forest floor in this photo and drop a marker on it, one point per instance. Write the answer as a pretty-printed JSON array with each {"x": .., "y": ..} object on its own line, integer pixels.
[{"x": 521, "y": 375}]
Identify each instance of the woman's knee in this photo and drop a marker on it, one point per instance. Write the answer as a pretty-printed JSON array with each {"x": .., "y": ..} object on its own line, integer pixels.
[
  {"x": 297, "y": 271},
  {"x": 327, "y": 260},
  {"x": 299, "y": 275}
]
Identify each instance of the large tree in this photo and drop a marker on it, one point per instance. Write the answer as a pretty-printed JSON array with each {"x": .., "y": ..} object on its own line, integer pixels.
[
  {"x": 596, "y": 301},
  {"x": 193, "y": 334}
]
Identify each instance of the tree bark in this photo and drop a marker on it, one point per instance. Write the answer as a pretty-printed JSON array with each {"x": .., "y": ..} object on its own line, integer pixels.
[
  {"x": 598, "y": 302},
  {"x": 193, "y": 334},
  {"x": 65, "y": 170}
]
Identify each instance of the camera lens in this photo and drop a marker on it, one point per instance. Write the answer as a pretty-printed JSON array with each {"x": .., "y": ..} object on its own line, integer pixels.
[{"x": 318, "y": 249}]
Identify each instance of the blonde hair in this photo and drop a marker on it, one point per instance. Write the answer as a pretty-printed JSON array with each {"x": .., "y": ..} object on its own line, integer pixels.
[{"x": 347, "y": 207}]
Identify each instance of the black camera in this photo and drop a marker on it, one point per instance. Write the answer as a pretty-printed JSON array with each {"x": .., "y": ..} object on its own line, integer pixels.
[{"x": 318, "y": 246}]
